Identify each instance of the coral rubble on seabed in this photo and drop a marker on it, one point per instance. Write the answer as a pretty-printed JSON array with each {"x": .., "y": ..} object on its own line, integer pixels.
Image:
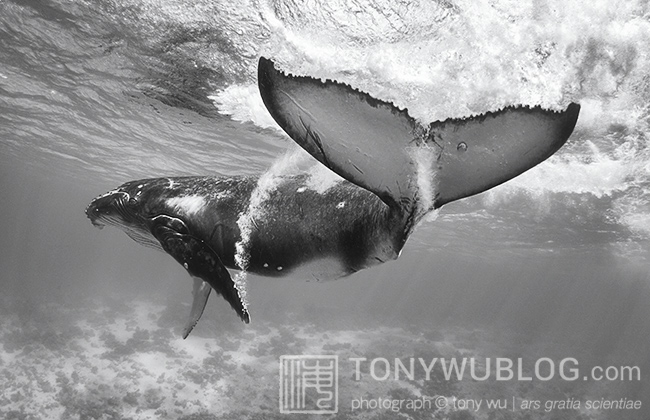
[{"x": 126, "y": 360}]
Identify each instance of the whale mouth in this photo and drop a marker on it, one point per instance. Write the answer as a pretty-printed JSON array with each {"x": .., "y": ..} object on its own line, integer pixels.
[{"x": 95, "y": 218}]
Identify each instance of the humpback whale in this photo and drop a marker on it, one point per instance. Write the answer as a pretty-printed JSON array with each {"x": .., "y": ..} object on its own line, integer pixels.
[{"x": 395, "y": 171}]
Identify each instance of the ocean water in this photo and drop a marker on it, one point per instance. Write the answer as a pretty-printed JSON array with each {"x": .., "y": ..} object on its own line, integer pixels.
[{"x": 551, "y": 266}]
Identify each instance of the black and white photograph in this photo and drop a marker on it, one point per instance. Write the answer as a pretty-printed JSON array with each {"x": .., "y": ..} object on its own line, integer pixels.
[{"x": 311, "y": 209}]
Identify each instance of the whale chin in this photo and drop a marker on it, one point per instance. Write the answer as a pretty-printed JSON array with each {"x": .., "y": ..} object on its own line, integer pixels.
[{"x": 98, "y": 224}]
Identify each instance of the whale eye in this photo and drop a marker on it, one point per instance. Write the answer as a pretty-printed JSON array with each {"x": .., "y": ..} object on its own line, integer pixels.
[
  {"x": 133, "y": 201},
  {"x": 462, "y": 146}
]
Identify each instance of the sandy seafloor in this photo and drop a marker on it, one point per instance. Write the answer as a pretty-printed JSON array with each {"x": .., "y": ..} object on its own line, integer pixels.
[{"x": 115, "y": 359}]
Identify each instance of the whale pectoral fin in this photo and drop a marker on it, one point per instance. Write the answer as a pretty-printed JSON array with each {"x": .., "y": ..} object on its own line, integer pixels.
[
  {"x": 481, "y": 152},
  {"x": 200, "y": 295},
  {"x": 362, "y": 139},
  {"x": 199, "y": 260}
]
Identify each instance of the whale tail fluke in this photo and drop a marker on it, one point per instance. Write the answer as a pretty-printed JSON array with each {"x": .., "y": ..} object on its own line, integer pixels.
[
  {"x": 381, "y": 148},
  {"x": 360, "y": 138},
  {"x": 482, "y": 152}
]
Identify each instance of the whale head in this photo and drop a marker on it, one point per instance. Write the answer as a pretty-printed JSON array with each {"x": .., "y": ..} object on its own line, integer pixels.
[
  {"x": 162, "y": 213},
  {"x": 128, "y": 209}
]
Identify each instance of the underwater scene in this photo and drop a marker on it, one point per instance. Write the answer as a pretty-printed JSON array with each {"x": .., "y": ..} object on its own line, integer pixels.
[{"x": 530, "y": 300}]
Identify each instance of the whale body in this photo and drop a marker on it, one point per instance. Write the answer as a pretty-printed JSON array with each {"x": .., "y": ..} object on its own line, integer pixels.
[{"x": 395, "y": 171}]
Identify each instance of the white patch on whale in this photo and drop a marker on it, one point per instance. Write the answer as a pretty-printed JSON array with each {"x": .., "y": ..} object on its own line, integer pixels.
[
  {"x": 321, "y": 178},
  {"x": 321, "y": 269},
  {"x": 425, "y": 162},
  {"x": 187, "y": 204},
  {"x": 267, "y": 183}
]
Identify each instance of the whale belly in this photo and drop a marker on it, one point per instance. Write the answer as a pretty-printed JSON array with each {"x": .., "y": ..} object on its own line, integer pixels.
[{"x": 321, "y": 269}]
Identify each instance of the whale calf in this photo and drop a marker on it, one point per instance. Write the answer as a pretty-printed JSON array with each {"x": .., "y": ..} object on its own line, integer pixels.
[
  {"x": 319, "y": 235},
  {"x": 395, "y": 171}
]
